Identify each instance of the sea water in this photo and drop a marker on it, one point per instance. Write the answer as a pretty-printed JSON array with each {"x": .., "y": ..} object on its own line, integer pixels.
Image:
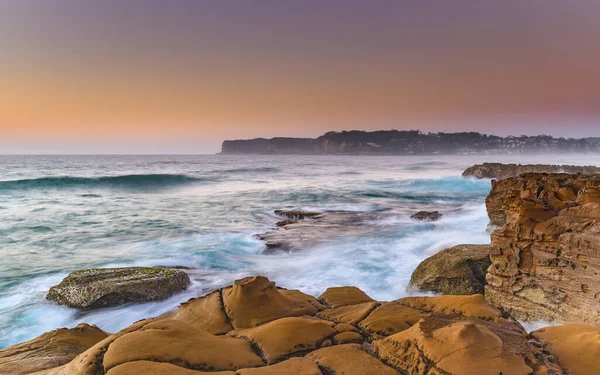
[{"x": 63, "y": 213}]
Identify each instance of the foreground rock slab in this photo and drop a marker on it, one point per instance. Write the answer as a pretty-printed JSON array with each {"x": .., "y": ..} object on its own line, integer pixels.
[
  {"x": 458, "y": 270},
  {"x": 50, "y": 350},
  {"x": 270, "y": 331},
  {"x": 576, "y": 346},
  {"x": 544, "y": 253},
  {"x": 103, "y": 287},
  {"x": 503, "y": 171}
]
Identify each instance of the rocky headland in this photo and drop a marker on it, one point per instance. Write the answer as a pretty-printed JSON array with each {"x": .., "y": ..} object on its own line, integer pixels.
[
  {"x": 542, "y": 264},
  {"x": 411, "y": 142},
  {"x": 502, "y": 171}
]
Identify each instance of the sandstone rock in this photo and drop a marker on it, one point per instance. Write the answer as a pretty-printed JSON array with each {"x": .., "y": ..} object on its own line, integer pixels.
[
  {"x": 349, "y": 359},
  {"x": 52, "y": 349},
  {"x": 278, "y": 331},
  {"x": 503, "y": 171},
  {"x": 245, "y": 303},
  {"x": 576, "y": 346},
  {"x": 351, "y": 314},
  {"x": 285, "y": 337},
  {"x": 427, "y": 216},
  {"x": 390, "y": 318},
  {"x": 293, "y": 366},
  {"x": 458, "y": 270},
  {"x": 446, "y": 345},
  {"x": 102, "y": 287},
  {"x": 544, "y": 253},
  {"x": 158, "y": 368},
  {"x": 344, "y": 296}
]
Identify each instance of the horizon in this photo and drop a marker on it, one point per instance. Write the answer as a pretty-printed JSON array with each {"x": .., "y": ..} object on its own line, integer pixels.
[{"x": 216, "y": 151}]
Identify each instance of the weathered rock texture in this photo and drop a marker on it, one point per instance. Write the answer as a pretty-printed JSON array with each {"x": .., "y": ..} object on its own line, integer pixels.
[
  {"x": 255, "y": 328},
  {"x": 427, "y": 215},
  {"x": 101, "y": 287},
  {"x": 546, "y": 251},
  {"x": 503, "y": 171},
  {"x": 576, "y": 346},
  {"x": 458, "y": 270},
  {"x": 50, "y": 350}
]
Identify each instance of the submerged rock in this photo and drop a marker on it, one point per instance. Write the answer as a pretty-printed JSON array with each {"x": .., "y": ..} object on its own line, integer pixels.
[
  {"x": 297, "y": 214},
  {"x": 458, "y": 270},
  {"x": 308, "y": 229},
  {"x": 427, "y": 215},
  {"x": 103, "y": 287},
  {"x": 255, "y": 328},
  {"x": 503, "y": 171},
  {"x": 50, "y": 350}
]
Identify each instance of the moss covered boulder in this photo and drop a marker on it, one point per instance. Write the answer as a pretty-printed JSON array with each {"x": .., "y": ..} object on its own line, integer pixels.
[
  {"x": 103, "y": 287},
  {"x": 458, "y": 270}
]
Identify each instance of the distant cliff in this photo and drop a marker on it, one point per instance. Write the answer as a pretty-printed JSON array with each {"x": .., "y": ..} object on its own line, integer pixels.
[{"x": 412, "y": 142}]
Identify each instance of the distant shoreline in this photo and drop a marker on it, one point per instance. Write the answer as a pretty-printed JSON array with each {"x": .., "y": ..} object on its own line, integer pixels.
[{"x": 411, "y": 142}]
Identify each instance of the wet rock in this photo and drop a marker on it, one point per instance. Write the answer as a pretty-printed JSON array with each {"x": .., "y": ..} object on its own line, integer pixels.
[
  {"x": 50, "y": 350},
  {"x": 503, "y": 171},
  {"x": 103, "y": 287},
  {"x": 297, "y": 214},
  {"x": 458, "y": 270},
  {"x": 277, "y": 331},
  {"x": 544, "y": 252},
  {"x": 427, "y": 216},
  {"x": 311, "y": 229}
]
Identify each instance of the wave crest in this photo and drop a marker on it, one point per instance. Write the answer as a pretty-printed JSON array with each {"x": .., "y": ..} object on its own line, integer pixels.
[{"x": 132, "y": 181}]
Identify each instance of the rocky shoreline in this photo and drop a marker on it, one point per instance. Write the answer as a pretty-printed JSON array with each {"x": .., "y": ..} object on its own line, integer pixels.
[{"x": 542, "y": 264}]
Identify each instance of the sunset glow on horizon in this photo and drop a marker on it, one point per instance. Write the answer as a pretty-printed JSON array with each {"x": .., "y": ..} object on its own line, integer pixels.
[{"x": 181, "y": 76}]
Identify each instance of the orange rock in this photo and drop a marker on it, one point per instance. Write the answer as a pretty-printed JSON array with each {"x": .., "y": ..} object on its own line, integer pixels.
[
  {"x": 351, "y": 314},
  {"x": 52, "y": 349},
  {"x": 576, "y": 346},
  {"x": 343, "y": 296},
  {"x": 255, "y": 300},
  {"x": 293, "y": 366},
  {"x": 349, "y": 359},
  {"x": 286, "y": 336}
]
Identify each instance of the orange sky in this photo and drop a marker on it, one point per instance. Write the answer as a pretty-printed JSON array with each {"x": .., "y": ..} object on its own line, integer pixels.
[{"x": 194, "y": 73}]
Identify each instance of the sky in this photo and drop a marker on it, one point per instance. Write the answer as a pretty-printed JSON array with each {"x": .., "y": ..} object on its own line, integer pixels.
[{"x": 181, "y": 76}]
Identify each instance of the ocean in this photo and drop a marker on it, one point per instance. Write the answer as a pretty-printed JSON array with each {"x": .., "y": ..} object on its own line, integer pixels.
[{"x": 63, "y": 213}]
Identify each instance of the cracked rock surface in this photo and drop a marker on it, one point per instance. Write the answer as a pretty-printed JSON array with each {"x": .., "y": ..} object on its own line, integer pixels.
[{"x": 256, "y": 328}]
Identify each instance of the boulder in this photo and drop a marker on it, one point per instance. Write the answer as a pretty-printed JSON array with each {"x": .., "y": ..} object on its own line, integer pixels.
[
  {"x": 103, "y": 287},
  {"x": 255, "y": 328},
  {"x": 458, "y": 270},
  {"x": 297, "y": 214},
  {"x": 503, "y": 171},
  {"x": 50, "y": 350},
  {"x": 544, "y": 252},
  {"x": 427, "y": 216}
]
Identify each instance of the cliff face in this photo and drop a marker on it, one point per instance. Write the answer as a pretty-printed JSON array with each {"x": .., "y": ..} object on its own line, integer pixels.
[
  {"x": 413, "y": 142},
  {"x": 546, "y": 251}
]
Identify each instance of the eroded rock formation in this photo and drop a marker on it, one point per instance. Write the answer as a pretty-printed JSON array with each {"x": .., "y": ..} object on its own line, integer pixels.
[
  {"x": 458, "y": 270},
  {"x": 503, "y": 171},
  {"x": 50, "y": 350},
  {"x": 255, "y": 328},
  {"x": 102, "y": 287},
  {"x": 545, "y": 252}
]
